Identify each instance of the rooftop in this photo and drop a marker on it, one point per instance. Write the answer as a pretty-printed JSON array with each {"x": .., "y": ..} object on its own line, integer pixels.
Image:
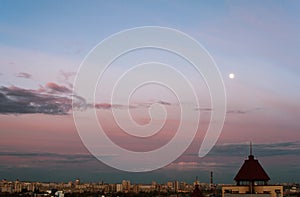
[{"x": 251, "y": 170}]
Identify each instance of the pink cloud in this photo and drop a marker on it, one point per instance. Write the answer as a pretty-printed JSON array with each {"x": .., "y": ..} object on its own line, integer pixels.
[{"x": 57, "y": 88}]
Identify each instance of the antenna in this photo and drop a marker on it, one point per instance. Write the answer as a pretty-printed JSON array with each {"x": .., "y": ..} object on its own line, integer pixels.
[
  {"x": 250, "y": 147},
  {"x": 196, "y": 182}
]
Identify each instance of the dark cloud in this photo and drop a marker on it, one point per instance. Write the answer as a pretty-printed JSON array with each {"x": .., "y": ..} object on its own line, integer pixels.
[
  {"x": 79, "y": 103},
  {"x": 45, "y": 157},
  {"x": 264, "y": 150},
  {"x": 24, "y": 75},
  {"x": 53, "y": 99},
  {"x": 163, "y": 102},
  {"x": 49, "y": 99},
  {"x": 14, "y": 100}
]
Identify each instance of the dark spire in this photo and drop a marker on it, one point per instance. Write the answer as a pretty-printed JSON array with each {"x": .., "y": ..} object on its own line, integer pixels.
[
  {"x": 197, "y": 192},
  {"x": 250, "y": 147}
]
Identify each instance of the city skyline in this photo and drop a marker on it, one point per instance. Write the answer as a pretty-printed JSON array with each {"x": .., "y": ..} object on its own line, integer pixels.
[{"x": 42, "y": 45}]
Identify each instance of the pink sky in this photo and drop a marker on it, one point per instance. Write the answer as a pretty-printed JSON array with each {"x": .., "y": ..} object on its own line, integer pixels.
[{"x": 40, "y": 56}]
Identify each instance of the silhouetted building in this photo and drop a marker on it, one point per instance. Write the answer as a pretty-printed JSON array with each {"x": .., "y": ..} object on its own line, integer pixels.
[
  {"x": 252, "y": 180},
  {"x": 197, "y": 192},
  {"x": 211, "y": 185},
  {"x": 251, "y": 173}
]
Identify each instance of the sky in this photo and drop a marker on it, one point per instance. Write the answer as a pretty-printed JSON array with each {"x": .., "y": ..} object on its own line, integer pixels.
[{"x": 43, "y": 44}]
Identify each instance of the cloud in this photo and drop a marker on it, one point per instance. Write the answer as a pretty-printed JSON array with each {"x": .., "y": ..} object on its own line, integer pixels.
[
  {"x": 108, "y": 106},
  {"x": 67, "y": 78},
  {"x": 55, "y": 88},
  {"x": 206, "y": 109},
  {"x": 80, "y": 103},
  {"x": 45, "y": 157},
  {"x": 232, "y": 111},
  {"x": 67, "y": 75},
  {"x": 54, "y": 99},
  {"x": 184, "y": 165},
  {"x": 236, "y": 112},
  {"x": 149, "y": 103},
  {"x": 163, "y": 102},
  {"x": 24, "y": 75},
  {"x": 49, "y": 99},
  {"x": 197, "y": 165},
  {"x": 264, "y": 150},
  {"x": 14, "y": 100}
]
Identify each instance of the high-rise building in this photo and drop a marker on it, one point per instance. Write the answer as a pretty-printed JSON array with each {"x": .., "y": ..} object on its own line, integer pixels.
[
  {"x": 176, "y": 186},
  {"x": 126, "y": 186},
  {"x": 77, "y": 181},
  {"x": 119, "y": 188}
]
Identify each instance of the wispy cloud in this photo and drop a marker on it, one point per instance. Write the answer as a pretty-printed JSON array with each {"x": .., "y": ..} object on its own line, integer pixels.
[
  {"x": 204, "y": 109},
  {"x": 55, "y": 88},
  {"x": 197, "y": 165},
  {"x": 239, "y": 111},
  {"x": 163, "y": 102},
  {"x": 184, "y": 165},
  {"x": 107, "y": 106},
  {"x": 236, "y": 112},
  {"x": 43, "y": 157},
  {"x": 151, "y": 102},
  {"x": 67, "y": 77},
  {"x": 230, "y": 111},
  {"x": 24, "y": 75}
]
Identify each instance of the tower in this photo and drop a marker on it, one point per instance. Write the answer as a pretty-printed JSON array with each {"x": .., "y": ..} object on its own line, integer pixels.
[
  {"x": 197, "y": 192},
  {"x": 252, "y": 180},
  {"x": 211, "y": 180}
]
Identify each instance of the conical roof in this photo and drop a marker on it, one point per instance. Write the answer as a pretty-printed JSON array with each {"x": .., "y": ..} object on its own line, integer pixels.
[{"x": 251, "y": 170}]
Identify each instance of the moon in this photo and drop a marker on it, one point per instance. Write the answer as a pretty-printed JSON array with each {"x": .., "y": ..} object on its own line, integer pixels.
[{"x": 231, "y": 76}]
